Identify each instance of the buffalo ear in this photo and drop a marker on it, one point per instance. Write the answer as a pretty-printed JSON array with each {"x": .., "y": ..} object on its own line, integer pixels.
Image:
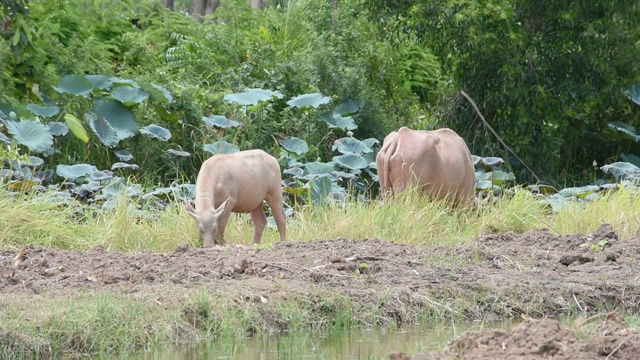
[
  {"x": 224, "y": 207},
  {"x": 191, "y": 210}
]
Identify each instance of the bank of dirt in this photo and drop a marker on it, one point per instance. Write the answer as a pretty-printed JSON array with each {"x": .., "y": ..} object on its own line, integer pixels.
[{"x": 537, "y": 274}]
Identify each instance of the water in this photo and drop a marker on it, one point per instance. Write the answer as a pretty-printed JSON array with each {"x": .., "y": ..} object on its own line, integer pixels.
[{"x": 354, "y": 344}]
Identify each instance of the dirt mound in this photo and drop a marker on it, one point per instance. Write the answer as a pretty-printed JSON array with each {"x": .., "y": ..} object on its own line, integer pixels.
[
  {"x": 496, "y": 276},
  {"x": 541, "y": 339}
]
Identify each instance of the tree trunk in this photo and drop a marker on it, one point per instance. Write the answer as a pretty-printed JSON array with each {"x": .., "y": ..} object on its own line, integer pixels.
[
  {"x": 334, "y": 15},
  {"x": 168, "y": 4},
  {"x": 197, "y": 9},
  {"x": 212, "y": 5},
  {"x": 256, "y": 4}
]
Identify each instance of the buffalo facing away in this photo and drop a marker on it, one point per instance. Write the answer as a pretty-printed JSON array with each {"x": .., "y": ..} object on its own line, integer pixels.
[{"x": 438, "y": 162}]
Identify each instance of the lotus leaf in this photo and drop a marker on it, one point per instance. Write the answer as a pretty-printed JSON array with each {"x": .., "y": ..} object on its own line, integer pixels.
[
  {"x": 351, "y": 161},
  {"x": 129, "y": 96},
  {"x": 308, "y": 100},
  {"x": 44, "y": 111},
  {"x": 118, "y": 115},
  {"x": 58, "y": 128},
  {"x": 74, "y": 84},
  {"x": 220, "y": 121},
  {"x": 295, "y": 145},
  {"x": 337, "y": 121},
  {"x": 123, "y": 155},
  {"x": 178, "y": 153},
  {"x": 103, "y": 129},
  {"x": 72, "y": 172},
  {"x": 349, "y": 145},
  {"x": 32, "y": 134},
  {"x": 156, "y": 132},
  {"x": 221, "y": 147}
]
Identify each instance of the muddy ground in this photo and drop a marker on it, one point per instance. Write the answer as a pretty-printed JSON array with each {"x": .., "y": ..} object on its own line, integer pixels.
[{"x": 537, "y": 274}]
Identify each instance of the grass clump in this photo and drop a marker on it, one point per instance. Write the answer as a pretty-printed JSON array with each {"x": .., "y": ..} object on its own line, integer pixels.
[
  {"x": 85, "y": 323},
  {"x": 620, "y": 208},
  {"x": 42, "y": 221},
  {"x": 410, "y": 219}
]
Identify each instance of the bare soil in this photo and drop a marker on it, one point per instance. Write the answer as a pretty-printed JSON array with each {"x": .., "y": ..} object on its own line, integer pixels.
[{"x": 537, "y": 274}]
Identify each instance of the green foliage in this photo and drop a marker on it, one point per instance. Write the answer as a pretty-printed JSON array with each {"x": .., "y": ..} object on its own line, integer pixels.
[{"x": 547, "y": 76}]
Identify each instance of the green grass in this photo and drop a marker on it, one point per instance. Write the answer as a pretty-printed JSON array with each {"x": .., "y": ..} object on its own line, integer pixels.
[
  {"x": 410, "y": 219},
  {"x": 87, "y": 322}
]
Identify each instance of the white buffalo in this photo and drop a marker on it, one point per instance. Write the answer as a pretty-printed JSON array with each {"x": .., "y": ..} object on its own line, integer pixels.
[
  {"x": 438, "y": 162},
  {"x": 237, "y": 183}
]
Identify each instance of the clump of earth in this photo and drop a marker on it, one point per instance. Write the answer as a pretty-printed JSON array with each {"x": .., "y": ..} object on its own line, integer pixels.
[
  {"x": 541, "y": 339},
  {"x": 538, "y": 274}
]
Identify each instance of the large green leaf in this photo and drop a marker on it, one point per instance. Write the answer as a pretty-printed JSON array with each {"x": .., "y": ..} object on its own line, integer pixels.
[
  {"x": 349, "y": 145},
  {"x": 619, "y": 169},
  {"x": 484, "y": 185},
  {"x": 129, "y": 96},
  {"x": 555, "y": 201},
  {"x": 100, "y": 81},
  {"x": 579, "y": 192},
  {"x": 99, "y": 175},
  {"x": 295, "y": 145},
  {"x": 634, "y": 93},
  {"x": 320, "y": 188},
  {"x": 117, "y": 187},
  {"x": 348, "y": 107},
  {"x": 117, "y": 82},
  {"x": 265, "y": 92},
  {"x": 35, "y": 161},
  {"x": 178, "y": 153},
  {"x": 492, "y": 161},
  {"x": 497, "y": 177},
  {"x": 627, "y": 131},
  {"x": 220, "y": 121},
  {"x": 351, "y": 161},
  {"x": 630, "y": 158},
  {"x": 123, "y": 155},
  {"x": 44, "y": 111},
  {"x": 371, "y": 142},
  {"x": 337, "y": 121},
  {"x": 118, "y": 115},
  {"x": 72, "y": 172},
  {"x": 15, "y": 112},
  {"x": 74, "y": 84},
  {"x": 309, "y": 100},
  {"x": 252, "y": 96},
  {"x": 164, "y": 114},
  {"x": 221, "y": 147},
  {"x": 58, "y": 128},
  {"x": 157, "y": 93},
  {"x": 101, "y": 127},
  {"x": 76, "y": 127},
  {"x": 125, "y": 166},
  {"x": 156, "y": 132},
  {"x": 31, "y": 133},
  {"x": 318, "y": 168}
]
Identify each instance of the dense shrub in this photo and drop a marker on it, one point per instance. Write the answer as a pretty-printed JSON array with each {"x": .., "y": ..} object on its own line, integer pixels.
[{"x": 549, "y": 77}]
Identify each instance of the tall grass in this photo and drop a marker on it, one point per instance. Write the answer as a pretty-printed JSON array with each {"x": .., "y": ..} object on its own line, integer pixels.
[{"x": 410, "y": 219}]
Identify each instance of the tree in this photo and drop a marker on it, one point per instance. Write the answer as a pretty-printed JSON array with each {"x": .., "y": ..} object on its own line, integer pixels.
[
  {"x": 256, "y": 4},
  {"x": 548, "y": 75},
  {"x": 200, "y": 8},
  {"x": 168, "y": 4}
]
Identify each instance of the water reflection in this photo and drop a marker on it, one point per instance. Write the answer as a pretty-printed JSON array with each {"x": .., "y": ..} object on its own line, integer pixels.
[{"x": 355, "y": 344}]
